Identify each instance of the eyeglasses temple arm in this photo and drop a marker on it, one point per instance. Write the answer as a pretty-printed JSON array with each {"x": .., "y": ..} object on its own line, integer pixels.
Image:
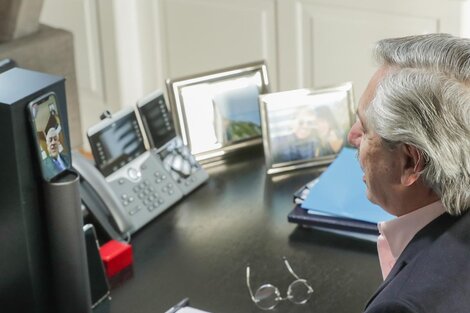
[
  {"x": 248, "y": 283},
  {"x": 290, "y": 268}
]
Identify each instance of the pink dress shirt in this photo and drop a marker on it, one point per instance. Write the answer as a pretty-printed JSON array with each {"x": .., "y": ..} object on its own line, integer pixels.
[{"x": 397, "y": 233}]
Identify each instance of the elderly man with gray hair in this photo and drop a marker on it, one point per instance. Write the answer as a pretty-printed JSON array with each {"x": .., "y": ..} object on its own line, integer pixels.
[
  {"x": 55, "y": 162},
  {"x": 413, "y": 140}
]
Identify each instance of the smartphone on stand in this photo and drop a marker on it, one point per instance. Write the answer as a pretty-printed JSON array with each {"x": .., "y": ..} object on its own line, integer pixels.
[{"x": 52, "y": 148}]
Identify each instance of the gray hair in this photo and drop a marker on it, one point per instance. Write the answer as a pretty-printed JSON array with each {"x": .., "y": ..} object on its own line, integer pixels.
[
  {"x": 424, "y": 101},
  {"x": 52, "y": 132}
]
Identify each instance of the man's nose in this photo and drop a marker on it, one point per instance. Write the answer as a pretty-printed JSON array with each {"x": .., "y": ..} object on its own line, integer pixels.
[{"x": 354, "y": 136}]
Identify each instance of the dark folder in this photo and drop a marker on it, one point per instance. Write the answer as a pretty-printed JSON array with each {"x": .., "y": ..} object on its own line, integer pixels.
[
  {"x": 338, "y": 199},
  {"x": 306, "y": 218}
]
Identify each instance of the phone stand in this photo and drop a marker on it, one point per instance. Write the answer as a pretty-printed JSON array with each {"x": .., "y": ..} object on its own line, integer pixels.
[
  {"x": 67, "y": 244},
  {"x": 25, "y": 263}
]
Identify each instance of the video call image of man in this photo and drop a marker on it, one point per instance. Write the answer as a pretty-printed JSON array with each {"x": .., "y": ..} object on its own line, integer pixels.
[
  {"x": 313, "y": 133},
  {"x": 413, "y": 139},
  {"x": 55, "y": 162}
]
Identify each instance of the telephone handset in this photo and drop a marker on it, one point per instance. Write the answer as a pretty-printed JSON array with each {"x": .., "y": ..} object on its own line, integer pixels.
[
  {"x": 99, "y": 198},
  {"x": 139, "y": 186}
]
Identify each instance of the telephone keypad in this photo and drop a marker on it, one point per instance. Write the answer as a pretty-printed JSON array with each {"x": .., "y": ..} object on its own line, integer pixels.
[
  {"x": 146, "y": 193},
  {"x": 150, "y": 195}
]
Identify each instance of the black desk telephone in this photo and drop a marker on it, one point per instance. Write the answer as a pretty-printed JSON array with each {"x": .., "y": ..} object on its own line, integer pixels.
[{"x": 131, "y": 185}]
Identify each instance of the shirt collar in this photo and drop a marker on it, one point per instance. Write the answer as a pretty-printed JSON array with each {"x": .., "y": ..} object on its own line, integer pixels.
[{"x": 402, "y": 229}]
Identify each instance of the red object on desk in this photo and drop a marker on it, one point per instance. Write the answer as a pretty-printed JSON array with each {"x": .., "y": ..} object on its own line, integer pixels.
[{"x": 116, "y": 256}]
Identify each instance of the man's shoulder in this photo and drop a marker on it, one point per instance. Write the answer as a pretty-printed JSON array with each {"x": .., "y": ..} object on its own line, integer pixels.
[
  {"x": 436, "y": 279},
  {"x": 394, "y": 306},
  {"x": 64, "y": 157},
  {"x": 47, "y": 160}
]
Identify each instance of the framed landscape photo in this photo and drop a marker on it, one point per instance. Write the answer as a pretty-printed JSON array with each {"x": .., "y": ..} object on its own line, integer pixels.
[
  {"x": 217, "y": 113},
  {"x": 305, "y": 127}
]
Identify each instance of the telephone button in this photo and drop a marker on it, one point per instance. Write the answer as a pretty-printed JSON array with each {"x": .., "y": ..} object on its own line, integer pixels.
[
  {"x": 152, "y": 207},
  {"x": 135, "y": 210},
  {"x": 134, "y": 174}
]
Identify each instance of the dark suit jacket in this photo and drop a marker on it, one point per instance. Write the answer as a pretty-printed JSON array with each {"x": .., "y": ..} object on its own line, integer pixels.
[
  {"x": 50, "y": 168},
  {"x": 432, "y": 274}
]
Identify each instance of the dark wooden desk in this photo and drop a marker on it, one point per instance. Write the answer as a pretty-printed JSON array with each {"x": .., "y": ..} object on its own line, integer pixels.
[{"x": 200, "y": 247}]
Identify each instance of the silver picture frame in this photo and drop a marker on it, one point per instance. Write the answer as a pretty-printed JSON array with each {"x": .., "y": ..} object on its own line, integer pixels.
[
  {"x": 305, "y": 127},
  {"x": 217, "y": 113}
]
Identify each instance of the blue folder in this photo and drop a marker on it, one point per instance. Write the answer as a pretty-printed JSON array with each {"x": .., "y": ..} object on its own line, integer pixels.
[{"x": 341, "y": 192}]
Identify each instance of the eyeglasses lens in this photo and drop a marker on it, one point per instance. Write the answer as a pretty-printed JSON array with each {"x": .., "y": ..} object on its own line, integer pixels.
[
  {"x": 267, "y": 297},
  {"x": 299, "y": 292}
]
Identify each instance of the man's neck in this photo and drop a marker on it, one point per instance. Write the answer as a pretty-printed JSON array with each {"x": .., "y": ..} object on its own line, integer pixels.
[{"x": 414, "y": 199}]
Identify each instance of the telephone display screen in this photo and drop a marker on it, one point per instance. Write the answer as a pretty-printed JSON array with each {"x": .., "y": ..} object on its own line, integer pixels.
[
  {"x": 117, "y": 143},
  {"x": 157, "y": 122},
  {"x": 52, "y": 147}
]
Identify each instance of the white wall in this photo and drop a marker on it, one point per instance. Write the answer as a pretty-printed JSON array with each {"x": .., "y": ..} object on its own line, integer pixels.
[{"x": 125, "y": 49}]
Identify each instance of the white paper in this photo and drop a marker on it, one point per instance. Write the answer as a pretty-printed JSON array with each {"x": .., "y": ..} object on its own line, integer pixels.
[{"x": 188, "y": 309}]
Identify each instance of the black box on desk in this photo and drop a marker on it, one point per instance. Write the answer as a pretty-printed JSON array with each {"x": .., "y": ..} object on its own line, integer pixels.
[{"x": 24, "y": 265}]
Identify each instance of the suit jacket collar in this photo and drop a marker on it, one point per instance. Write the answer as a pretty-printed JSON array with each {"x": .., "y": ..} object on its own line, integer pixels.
[{"x": 420, "y": 242}]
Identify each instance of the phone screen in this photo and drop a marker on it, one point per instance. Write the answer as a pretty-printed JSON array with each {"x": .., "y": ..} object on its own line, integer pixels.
[
  {"x": 52, "y": 148},
  {"x": 157, "y": 121},
  {"x": 116, "y": 142}
]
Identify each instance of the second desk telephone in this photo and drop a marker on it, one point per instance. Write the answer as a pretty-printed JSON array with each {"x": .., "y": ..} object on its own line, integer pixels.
[
  {"x": 134, "y": 184},
  {"x": 176, "y": 157}
]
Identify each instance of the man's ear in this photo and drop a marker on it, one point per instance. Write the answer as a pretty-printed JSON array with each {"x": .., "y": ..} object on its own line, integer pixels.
[{"x": 413, "y": 165}]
